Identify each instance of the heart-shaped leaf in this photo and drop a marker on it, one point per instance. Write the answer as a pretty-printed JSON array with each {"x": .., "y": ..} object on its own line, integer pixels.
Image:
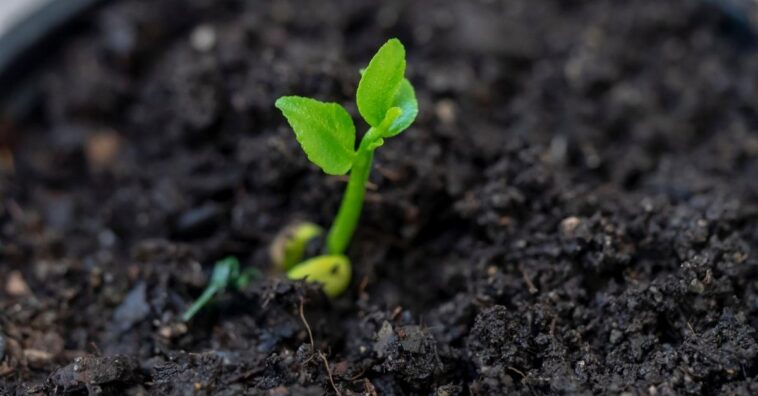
[
  {"x": 324, "y": 130},
  {"x": 380, "y": 82}
]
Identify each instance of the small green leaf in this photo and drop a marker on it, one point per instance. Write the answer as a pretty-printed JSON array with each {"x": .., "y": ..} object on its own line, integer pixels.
[
  {"x": 405, "y": 99},
  {"x": 380, "y": 82},
  {"x": 224, "y": 271},
  {"x": 325, "y": 131},
  {"x": 389, "y": 118},
  {"x": 245, "y": 277}
]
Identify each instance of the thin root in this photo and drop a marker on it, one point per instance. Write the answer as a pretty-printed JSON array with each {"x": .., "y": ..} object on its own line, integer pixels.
[
  {"x": 530, "y": 286},
  {"x": 517, "y": 371},
  {"x": 305, "y": 322},
  {"x": 313, "y": 347},
  {"x": 329, "y": 372}
]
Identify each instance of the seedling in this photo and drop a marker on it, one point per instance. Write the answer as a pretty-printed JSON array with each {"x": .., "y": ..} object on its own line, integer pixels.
[
  {"x": 226, "y": 274},
  {"x": 387, "y": 102}
]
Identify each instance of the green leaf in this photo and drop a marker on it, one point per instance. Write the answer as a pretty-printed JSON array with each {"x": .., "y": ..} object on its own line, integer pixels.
[
  {"x": 405, "y": 99},
  {"x": 380, "y": 82},
  {"x": 325, "y": 131},
  {"x": 228, "y": 268}
]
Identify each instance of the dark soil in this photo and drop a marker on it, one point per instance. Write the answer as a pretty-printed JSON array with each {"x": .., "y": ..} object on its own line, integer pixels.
[{"x": 574, "y": 212}]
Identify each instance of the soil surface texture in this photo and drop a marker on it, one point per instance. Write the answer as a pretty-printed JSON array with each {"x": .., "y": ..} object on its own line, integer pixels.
[{"x": 575, "y": 210}]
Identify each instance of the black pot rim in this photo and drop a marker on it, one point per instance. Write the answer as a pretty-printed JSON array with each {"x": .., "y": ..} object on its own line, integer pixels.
[{"x": 23, "y": 39}]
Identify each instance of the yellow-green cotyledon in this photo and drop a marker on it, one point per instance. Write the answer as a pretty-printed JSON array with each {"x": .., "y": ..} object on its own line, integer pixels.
[{"x": 331, "y": 270}]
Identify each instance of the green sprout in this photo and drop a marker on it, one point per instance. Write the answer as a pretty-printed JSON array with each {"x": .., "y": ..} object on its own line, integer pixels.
[
  {"x": 387, "y": 102},
  {"x": 226, "y": 274}
]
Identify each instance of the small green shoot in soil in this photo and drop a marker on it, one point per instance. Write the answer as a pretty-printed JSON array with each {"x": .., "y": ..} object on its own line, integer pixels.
[
  {"x": 387, "y": 102},
  {"x": 226, "y": 274}
]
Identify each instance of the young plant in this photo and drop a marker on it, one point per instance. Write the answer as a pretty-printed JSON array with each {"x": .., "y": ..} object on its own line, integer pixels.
[
  {"x": 226, "y": 274},
  {"x": 387, "y": 102}
]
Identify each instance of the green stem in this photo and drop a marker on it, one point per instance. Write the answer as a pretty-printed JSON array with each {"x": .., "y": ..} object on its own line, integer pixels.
[
  {"x": 352, "y": 202},
  {"x": 201, "y": 301}
]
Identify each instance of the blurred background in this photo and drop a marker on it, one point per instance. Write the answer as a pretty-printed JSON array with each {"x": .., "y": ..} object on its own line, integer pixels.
[
  {"x": 24, "y": 22},
  {"x": 14, "y": 10},
  {"x": 44, "y": 16},
  {"x": 591, "y": 147}
]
